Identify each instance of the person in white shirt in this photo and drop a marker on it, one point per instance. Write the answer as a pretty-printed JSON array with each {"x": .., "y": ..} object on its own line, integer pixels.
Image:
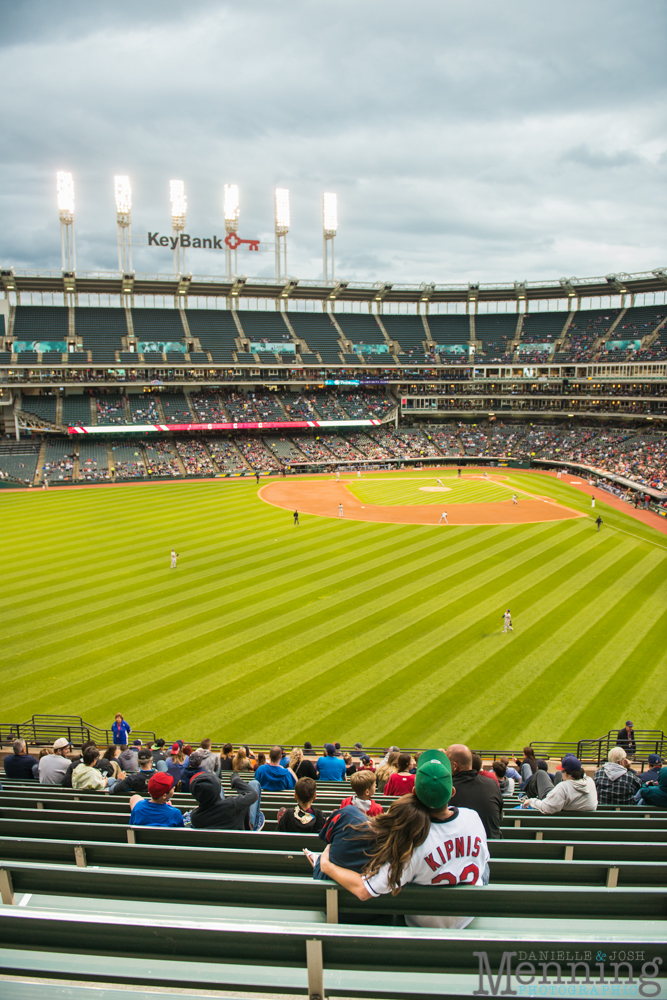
[
  {"x": 508, "y": 621},
  {"x": 54, "y": 767},
  {"x": 340, "y": 510},
  {"x": 443, "y": 517},
  {"x": 452, "y": 847},
  {"x": 174, "y": 557},
  {"x": 576, "y": 792}
]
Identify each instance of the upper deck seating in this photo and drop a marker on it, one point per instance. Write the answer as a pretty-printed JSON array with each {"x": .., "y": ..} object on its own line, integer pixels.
[
  {"x": 319, "y": 333},
  {"x": 159, "y": 325},
  {"x": 216, "y": 331},
  {"x": 41, "y": 323},
  {"x": 496, "y": 332},
  {"x": 451, "y": 328},
  {"x": 143, "y": 408},
  {"x": 360, "y": 328},
  {"x": 542, "y": 327},
  {"x": 101, "y": 331}
]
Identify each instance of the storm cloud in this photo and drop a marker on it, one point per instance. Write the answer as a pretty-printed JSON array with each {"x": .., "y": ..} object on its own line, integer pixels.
[{"x": 466, "y": 141}]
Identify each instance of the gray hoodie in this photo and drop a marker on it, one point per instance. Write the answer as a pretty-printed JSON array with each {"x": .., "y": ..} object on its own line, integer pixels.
[
  {"x": 128, "y": 760},
  {"x": 613, "y": 771},
  {"x": 210, "y": 761},
  {"x": 578, "y": 795}
]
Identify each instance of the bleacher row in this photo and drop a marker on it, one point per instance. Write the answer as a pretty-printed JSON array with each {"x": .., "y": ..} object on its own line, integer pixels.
[
  {"x": 637, "y": 455},
  {"x": 86, "y": 897},
  {"x": 109, "y": 336}
]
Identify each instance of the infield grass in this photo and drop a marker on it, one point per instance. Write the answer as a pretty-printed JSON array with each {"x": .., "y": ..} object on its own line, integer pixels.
[{"x": 336, "y": 630}]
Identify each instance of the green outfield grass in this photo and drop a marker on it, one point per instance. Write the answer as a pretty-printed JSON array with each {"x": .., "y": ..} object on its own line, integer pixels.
[
  {"x": 334, "y": 630},
  {"x": 394, "y": 491}
]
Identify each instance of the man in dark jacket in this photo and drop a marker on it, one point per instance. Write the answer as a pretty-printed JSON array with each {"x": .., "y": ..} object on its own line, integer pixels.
[
  {"x": 136, "y": 782},
  {"x": 235, "y": 812},
  {"x": 474, "y": 791},
  {"x": 20, "y": 764},
  {"x": 654, "y": 766},
  {"x": 626, "y": 739}
]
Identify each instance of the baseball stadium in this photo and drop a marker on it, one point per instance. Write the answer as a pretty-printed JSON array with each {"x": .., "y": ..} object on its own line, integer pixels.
[{"x": 334, "y": 657}]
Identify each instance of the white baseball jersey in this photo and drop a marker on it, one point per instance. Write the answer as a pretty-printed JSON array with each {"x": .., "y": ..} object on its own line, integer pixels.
[{"x": 454, "y": 853}]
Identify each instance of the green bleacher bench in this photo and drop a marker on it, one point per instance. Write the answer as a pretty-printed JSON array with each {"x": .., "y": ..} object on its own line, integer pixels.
[
  {"x": 189, "y": 856},
  {"x": 299, "y": 893},
  {"x": 273, "y": 957}
]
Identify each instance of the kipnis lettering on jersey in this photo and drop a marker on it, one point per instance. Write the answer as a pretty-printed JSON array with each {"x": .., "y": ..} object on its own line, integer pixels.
[{"x": 460, "y": 847}]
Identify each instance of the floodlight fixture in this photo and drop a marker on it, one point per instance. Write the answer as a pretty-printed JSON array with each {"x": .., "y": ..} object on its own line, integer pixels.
[
  {"x": 123, "y": 193},
  {"x": 179, "y": 204},
  {"x": 281, "y": 197},
  {"x": 330, "y": 213},
  {"x": 65, "y": 190},
  {"x": 231, "y": 207},
  {"x": 65, "y": 185},
  {"x": 282, "y": 220}
]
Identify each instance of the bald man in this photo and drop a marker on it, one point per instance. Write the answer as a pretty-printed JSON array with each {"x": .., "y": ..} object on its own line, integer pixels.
[{"x": 473, "y": 791}]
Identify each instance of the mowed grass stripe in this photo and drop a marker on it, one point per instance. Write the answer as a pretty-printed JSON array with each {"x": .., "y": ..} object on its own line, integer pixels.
[
  {"x": 134, "y": 655},
  {"x": 586, "y": 686},
  {"x": 567, "y": 641},
  {"x": 469, "y": 638},
  {"x": 420, "y": 634}
]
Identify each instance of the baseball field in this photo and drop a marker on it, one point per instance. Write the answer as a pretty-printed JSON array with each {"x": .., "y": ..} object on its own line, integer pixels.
[{"x": 343, "y": 628}]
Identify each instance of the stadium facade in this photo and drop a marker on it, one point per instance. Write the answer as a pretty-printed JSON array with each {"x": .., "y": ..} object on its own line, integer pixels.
[{"x": 331, "y": 372}]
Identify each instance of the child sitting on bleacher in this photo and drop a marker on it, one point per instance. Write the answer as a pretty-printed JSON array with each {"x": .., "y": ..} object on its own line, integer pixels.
[
  {"x": 158, "y": 810},
  {"x": 363, "y": 786},
  {"x": 303, "y": 817}
]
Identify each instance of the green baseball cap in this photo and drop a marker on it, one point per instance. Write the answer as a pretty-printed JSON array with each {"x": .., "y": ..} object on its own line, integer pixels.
[{"x": 433, "y": 781}]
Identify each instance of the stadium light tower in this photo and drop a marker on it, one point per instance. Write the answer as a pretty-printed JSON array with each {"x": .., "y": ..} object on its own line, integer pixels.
[
  {"x": 330, "y": 227},
  {"x": 123, "y": 193},
  {"x": 65, "y": 186},
  {"x": 231, "y": 223},
  {"x": 179, "y": 206},
  {"x": 281, "y": 200}
]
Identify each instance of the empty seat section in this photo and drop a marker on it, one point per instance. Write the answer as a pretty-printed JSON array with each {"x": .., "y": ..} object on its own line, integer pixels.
[
  {"x": 176, "y": 409},
  {"x": 101, "y": 331},
  {"x": 496, "y": 332},
  {"x": 27, "y": 358},
  {"x": 128, "y": 460},
  {"x": 319, "y": 334},
  {"x": 264, "y": 329},
  {"x": 93, "y": 460},
  {"x": 216, "y": 332},
  {"x": 639, "y": 322},
  {"x": 41, "y": 323},
  {"x": 110, "y": 409},
  {"x": 18, "y": 460},
  {"x": 43, "y": 407},
  {"x": 158, "y": 325},
  {"x": 449, "y": 329},
  {"x": 59, "y": 460},
  {"x": 143, "y": 409},
  {"x": 53, "y": 357},
  {"x": 408, "y": 331},
  {"x": 361, "y": 329},
  {"x": 76, "y": 411},
  {"x": 542, "y": 328}
]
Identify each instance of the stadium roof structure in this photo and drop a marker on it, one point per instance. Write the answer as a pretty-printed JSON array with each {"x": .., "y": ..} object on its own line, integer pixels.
[{"x": 181, "y": 286}]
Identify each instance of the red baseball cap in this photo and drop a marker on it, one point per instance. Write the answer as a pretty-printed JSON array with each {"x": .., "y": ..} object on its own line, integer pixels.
[{"x": 159, "y": 784}]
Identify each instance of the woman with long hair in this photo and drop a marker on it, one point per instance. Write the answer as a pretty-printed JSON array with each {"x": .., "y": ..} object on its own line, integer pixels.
[
  {"x": 385, "y": 770},
  {"x": 401, "y": 782},
  {"x": 176, "y": 762},
  {"x": 302, "y": 768},
  {"x": 241, "y": 762},
  {"x": 111, "y": 754},
  {"x": 528, "y": 765},
  {"x": 227, "y": 758},
  {"x": 413, "y": 843}
]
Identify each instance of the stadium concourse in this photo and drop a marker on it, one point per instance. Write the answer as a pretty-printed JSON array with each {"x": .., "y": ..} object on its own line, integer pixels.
[{"x": 326, "y": 872}]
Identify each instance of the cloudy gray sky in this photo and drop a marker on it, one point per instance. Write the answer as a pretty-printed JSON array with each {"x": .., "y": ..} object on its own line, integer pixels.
[{"x": 465, "y": 140}]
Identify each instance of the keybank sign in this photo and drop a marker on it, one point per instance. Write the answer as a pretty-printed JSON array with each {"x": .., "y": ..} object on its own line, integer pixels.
[{"x": 231, "y": 241}]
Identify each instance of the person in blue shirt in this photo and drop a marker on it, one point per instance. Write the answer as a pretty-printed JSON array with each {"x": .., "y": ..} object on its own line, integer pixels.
[
  {"x": 331, "y": 768},
  {"x": 274, "y": 778},
  {"x": 120, "y": 730},
  {"x": 158, "y": 810}
]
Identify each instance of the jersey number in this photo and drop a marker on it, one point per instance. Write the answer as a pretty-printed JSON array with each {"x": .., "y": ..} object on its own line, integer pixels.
[{"x": 461, "y": 880}]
